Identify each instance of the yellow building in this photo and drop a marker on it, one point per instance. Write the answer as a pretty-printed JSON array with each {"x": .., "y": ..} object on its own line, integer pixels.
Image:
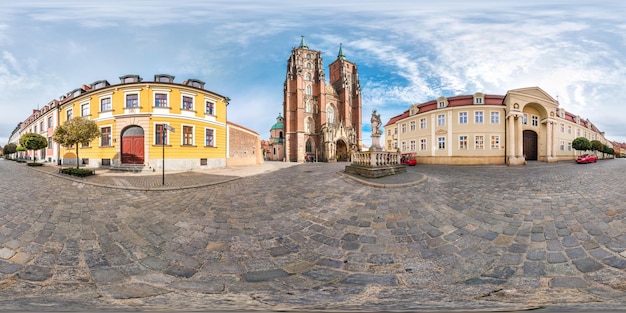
[
  {"x": 523, "y": 125},
  {"x": 150, "y": 123}
]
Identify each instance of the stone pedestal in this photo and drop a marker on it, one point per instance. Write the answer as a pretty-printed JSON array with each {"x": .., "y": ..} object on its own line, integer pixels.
[{"x": 375, "y": 164}]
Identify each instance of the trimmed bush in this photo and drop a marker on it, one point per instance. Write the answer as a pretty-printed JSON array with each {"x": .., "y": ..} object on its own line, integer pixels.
[
  {"x": 79, "y": 172},
  {"x": 35, "y": 164}
]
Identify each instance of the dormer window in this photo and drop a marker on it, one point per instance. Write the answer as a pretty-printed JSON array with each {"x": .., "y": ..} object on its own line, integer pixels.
[
  {"x": 479, "y": 100},
  {"x": 77, "y": 93},
  {"x": 442, "y": 102},
  {"x": 100, "y": 84},
  {"x": 164, "y": 78},
  {"x": 130, "y": 79},
  {"x": 195, "y": 83}
]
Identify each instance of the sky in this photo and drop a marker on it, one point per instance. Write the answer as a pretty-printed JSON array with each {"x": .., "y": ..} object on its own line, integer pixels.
[{"x": 407, "y": 51}]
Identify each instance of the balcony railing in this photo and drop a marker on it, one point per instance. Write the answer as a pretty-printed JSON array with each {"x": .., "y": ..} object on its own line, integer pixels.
[{"x": 375, "y": 158}]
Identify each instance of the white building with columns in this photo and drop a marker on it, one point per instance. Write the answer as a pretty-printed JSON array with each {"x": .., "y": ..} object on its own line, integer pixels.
[{"x": 526, "y": 124}]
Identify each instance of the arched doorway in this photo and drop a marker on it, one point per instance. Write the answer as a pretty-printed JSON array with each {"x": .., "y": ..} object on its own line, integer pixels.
[
  {"x": 310, "y": 153},
  {"x": 132, "y": 145},
  {"x": 341, "y": 151},
  {"x": 530, "y": 145}
]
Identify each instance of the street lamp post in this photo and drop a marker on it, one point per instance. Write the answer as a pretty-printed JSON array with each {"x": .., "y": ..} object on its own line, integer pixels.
[{"x": 165, "y": 129}]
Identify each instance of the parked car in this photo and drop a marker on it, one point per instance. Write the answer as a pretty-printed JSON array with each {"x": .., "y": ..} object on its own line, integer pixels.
[
  {"x": 586, "y": 158},
  {"x": 408, "y": 159}
]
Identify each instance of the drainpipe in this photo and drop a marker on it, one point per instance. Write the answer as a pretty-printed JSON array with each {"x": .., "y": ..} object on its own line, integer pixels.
[{"x": 505, "y": 142}]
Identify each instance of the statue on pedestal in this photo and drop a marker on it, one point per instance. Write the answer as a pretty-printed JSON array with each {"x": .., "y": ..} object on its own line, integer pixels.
[{"x": 376, "y": 132}]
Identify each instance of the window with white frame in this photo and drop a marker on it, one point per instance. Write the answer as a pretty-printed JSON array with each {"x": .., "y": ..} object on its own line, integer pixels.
[
  {"x": 423, "y": 144},
  {"x": 562, "y": 145},
  {"x": 569, "y": 146},
  {"x": 209, "y": 137},
  {"x": 442, "y": 104},
  {"x": 422, "y": 123},
  {"x": 495, "y": 117},
  {"x": 132, "y": 100},
  {"x": 50, "y": 123},
  {"x": 478, "y": 117},
  {"x": 479, "y": 142},
  {"x": 463, "y": 142},
  {"x": 412, "y": 125},
  {"x": 309, "y": 90},
  {"x": 441, "y": 120},
  {"x": 462, "y": 117},
  {"x": 525, "y": 119},
  {"x": 160, "y": 100},
  {"x": 441, "y": 143},
  {"x": 84, "y": 109},
  {"x": 105, "y": 136},
  {"x": 187, "y": 134},
  {"x": 412, "y": 145},
  {"x": 403, "y": 128},
  {"x": 578, "y": 132},
  {"x": 569, "y": 129},
  {"x": 562, "y": 127},
  {"x": 495, "y": 142},
  {"x": 479, "y": 100},
  {"x": 535, "y": 120},
  {"x": 209, "y": 107},
  {"x": 187, "y": 103},
  {"x": 69, "y": 114},
  {"x": 403, "y": 146},
  {"x": 160, "y": 134},
  {"x": 388, "y": 132},
  {"x": 105, "y": 104}
]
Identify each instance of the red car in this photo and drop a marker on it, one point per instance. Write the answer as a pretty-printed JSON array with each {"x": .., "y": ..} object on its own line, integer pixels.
[{"x": 586, "y": 158}]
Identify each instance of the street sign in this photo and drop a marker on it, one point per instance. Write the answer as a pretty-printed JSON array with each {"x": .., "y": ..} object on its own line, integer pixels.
[{"x": 168, "y": 127}]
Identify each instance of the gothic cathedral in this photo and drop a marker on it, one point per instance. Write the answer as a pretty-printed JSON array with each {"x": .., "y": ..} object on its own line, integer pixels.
[{"x": 321, "y": 122}]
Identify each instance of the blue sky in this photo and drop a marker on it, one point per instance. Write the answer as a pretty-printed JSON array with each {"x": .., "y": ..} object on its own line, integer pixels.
[{"x": 407, "y": 51}]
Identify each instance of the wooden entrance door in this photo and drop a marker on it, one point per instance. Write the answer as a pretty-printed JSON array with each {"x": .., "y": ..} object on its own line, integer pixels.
[
  {"x": 530, "y": 145},
  {"x": 132, "y": 145}
]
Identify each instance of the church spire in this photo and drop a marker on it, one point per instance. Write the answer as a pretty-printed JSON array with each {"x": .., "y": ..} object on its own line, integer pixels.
[
  {"x": 340, "y": 54},
  {"x": 303, "y": 44}
]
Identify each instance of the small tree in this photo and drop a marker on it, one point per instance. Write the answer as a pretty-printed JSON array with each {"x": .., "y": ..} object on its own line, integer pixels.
[
  {"x": 596, "y": 145},
  {"x": 75, "y": 131},
  {"x": 9, "y": 148},
  {"x": 33, "y": 141},
  {"x": 581, "y": 144}
]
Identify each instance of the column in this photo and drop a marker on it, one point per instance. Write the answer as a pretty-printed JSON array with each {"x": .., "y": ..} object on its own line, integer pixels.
[
  {"x": 549, "y": 140},
  {"x": 519, "y": 142},
  {"x": 510, "y": 141}
]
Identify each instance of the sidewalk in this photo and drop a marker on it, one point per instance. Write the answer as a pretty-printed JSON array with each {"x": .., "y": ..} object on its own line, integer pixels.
[{"x": 170, "y": 181}]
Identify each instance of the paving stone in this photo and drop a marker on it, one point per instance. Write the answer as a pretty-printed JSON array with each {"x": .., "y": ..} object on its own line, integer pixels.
[
  {"x": 568, "y": 282},
  {"x": 261, "y": 276},
  {"x": 364, "y": 279},
  {"x": 35, "y": 273},
  {"x": 587, "y": 265}
]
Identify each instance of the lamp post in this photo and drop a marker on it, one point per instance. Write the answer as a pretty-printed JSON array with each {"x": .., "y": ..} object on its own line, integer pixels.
[{"x": 165, "y": 129}]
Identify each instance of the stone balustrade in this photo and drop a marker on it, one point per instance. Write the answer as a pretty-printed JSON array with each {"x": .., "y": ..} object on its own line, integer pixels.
[{"x": 376, "y": 158}]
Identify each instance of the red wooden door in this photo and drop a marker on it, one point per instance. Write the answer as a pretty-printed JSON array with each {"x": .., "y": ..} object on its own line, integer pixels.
[{"x": 132, "y": 149}]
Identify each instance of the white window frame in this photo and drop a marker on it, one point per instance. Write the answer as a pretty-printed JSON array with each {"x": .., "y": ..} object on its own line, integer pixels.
[
  {"x": 412, "y": 145},
  {"x": 214, "y": 103},
  {"x": 193, "y": 100},
  {"x": 412, "y": 126},
  {"x": 562, "y": 145},
  {"x": 494, "y": 117},
  {"x": 463, "y": 117},
  {"x": 461, "y": 141},
  {"x": 167, "y": 137},
  {"x": 525, "y": 118},
  {"x": 182, "y": 135},
  {"x": 482, "y": 145},
  {"x": 132, "y": 92},
  {"x": 479, "y": 115},
  {"x": 83, "y": 106},
  {"x": 108, "y": 96},
  {"x": 441, "y": 120},
  {"x": 403, "y": 146},
  {"x": 441, "y": 143},
  {"x": 423, "y": 144},
  {"x": 423, "y": 123},
  {"x": 110, "y": 135},
  {"x": 534, "y": 120},
  {"x": 494, "y": 144},
  {"x": 403, "y": 128},
  {"x": 214, "y": 137},
  {"x": 155, "y": 91}
]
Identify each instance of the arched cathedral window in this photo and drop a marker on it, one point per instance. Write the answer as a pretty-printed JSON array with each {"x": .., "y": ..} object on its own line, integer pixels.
[
  {"x": 308, "y": 76},
  {"x": 309, "y": 90},
  {"x": 308, "y": 107},
  {"x": 307, "y": 126},
  {"x": 330, "y": 114}
]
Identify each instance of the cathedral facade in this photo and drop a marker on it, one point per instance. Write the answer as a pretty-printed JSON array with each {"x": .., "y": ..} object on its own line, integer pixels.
[{"x": 321, "y": 121}]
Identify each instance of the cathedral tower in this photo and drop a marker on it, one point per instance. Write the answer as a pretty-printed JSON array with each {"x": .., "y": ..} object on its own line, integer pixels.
[{"x": 322, "y": 121}]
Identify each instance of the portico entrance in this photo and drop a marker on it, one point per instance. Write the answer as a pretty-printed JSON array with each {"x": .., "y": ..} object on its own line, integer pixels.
[{"x": 341, "y": 151}]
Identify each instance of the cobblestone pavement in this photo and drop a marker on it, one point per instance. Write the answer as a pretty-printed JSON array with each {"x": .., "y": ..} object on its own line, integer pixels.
[{"x": 305, "y": 237}]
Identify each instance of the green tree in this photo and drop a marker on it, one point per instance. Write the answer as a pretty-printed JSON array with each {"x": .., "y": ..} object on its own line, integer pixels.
[
  {"x": 596, "y": 145},
  {"x": 33, "y": 141},
  {"x": 75, "y": 131},
  {"x": 9, "y": 148},
  {"x": 581, "y": 144}
]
